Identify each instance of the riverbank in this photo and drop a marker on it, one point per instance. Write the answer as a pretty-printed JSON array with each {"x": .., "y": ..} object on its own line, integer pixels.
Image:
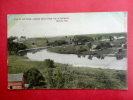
[
  {"x": 80, "y": 49},
  {"x": 74, "y": 77}
]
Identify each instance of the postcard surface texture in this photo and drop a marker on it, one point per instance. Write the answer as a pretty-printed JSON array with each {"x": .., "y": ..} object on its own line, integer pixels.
[{"x": 67, "y": 51}]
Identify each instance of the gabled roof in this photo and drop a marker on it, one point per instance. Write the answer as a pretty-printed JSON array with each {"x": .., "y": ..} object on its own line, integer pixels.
[
  {"x": 15, "y": 77},
  {"x": 94, "y": 46}
]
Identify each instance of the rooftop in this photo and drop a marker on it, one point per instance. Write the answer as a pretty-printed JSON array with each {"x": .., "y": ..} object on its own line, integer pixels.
[{"x": 15, "y": 77}]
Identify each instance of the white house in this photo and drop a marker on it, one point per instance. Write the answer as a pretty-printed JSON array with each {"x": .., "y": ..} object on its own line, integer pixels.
[
  {"x": 93, "y": 48},
  {"x": 121, "y": 37}
]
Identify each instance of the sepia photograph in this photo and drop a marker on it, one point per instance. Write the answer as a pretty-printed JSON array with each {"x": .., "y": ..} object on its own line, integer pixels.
[{"x": 67, "y": 51}]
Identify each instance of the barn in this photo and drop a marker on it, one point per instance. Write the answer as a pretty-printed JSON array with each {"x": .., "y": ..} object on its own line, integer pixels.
[{"x": 16, "y": 81}]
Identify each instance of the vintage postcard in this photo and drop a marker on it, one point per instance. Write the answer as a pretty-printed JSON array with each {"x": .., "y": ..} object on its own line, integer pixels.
[{"x": 67, "y": 51}]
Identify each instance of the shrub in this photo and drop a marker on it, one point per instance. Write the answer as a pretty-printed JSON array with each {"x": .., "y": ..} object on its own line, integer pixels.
[
  {"x": 49, "y": 63},
  {"x": 34, "y": 77}
]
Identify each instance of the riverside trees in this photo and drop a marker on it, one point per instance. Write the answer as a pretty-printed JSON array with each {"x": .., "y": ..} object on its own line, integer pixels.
[{"x": 14, "y": 47}]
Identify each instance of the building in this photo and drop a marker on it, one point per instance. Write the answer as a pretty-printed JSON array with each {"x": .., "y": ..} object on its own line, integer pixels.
[
  {"x": 93, "y": 48},
  {"x": 118, "y": 38},
  {"x": 124, "y": 46},
  {"x": 16, "y": 81}
]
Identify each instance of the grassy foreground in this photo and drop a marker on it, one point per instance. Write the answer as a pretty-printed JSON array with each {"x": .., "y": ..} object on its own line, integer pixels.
[{"x": 73, "y": 77}]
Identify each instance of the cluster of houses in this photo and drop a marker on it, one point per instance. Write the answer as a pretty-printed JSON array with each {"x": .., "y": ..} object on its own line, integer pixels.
[
  {"x": 114, "y": 38},
  {"x": 119, "y": 49},
  {"x": 20, "y": 40}
]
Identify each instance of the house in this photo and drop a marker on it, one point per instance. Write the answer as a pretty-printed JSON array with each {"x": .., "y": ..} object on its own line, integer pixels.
[
  {"x": 17, "y": 40},
  {"x": 93, "y": 48},
  {"x": 112, "y": 45},
  {"x": 115, "y": 38},
  {"x": 22, "y": 38},
  {"x": 124, "y": 46},
  {"x": 121, "y": 37},
  {"x": 16, "y": 81},
  {"x": 118, "y": 38}
]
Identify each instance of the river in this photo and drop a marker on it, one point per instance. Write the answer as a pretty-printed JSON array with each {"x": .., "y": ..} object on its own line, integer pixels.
[{"x": 79, "y": 61}]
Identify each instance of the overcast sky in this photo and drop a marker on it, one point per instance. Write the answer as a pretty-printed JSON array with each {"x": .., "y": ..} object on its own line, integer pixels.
[{"x": 77, "y": 23}]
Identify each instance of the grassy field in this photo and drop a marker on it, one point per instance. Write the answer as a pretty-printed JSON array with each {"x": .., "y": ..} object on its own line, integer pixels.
[{"x": 73, "y": 77}]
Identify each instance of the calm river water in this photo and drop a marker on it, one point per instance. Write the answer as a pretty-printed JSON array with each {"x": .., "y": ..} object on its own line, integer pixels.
[{"x": 74, "y": 60}]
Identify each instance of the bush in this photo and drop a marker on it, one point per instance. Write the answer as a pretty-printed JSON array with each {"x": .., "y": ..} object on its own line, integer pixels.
[
  {"x": 49, "y": 63},
  {"x": 34, "y": 77}
]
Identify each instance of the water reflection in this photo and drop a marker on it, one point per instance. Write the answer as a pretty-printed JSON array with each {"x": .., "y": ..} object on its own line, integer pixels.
[
  {"x": 79, "y": 56},
  {"x": 95, "y": 61},
  {"x": 90, "y": 57},
  {"x": 117, "y": 56},
  {"x": 83, "y": 55},
  {"x": 102, "y": 57}
]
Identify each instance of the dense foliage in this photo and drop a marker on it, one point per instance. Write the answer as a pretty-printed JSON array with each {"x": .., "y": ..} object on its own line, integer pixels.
[
  {"x": 14, "y": 47},
  {"x": 81, "y": 38},
  {"x": 34, "y": 77},
  {"x": 103, "y": 45},
  {"x": 54, "y": 78},
  {"x": 57, "y": 43},
  {"x": 49, "y": 63}
]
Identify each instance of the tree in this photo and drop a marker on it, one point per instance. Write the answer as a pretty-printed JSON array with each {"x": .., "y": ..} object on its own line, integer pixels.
[
  {"x": 47, "y": 41},
  {"x": 82, "y": 38},
  {"x": 99, "y": 37},
  {"x": 103, "y": 45},
  {"x": 107, "y": 44},
  {"x": 89, "y": 45},
  {"x": 98, "y": 46},
  {"x": 57, "y": 43},
  {"x": 49, "y": 63},
  {"x": 111, "y": 38},
  {"x": 49, "y": 78},
  {"x": 59, "y": 80},
  {"x": 34, "y": 77}
]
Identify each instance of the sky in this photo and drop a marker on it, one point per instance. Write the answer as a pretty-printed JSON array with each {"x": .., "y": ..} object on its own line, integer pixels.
[{"x": 58, "y": 24}]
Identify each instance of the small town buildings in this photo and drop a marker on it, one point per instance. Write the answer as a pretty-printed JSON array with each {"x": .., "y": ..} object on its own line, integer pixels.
[
  {"x": 16, "y": 81},
  {"x": 19, "y": 40}
]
